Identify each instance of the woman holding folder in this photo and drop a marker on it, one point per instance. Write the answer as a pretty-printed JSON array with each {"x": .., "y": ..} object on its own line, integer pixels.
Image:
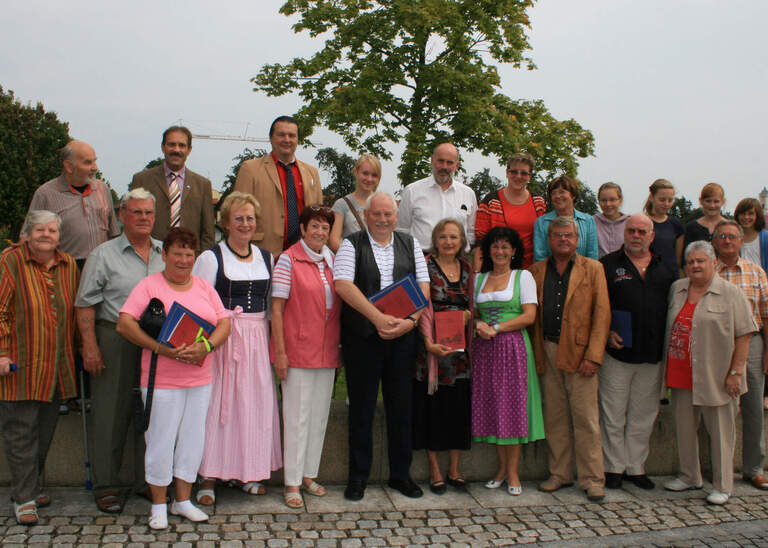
[
  {"x": 506, "y": 401},
  {"x": 242, "y": 431},
  {"x": 182, "y": 382},
  {"x": 441, "y": 391}
]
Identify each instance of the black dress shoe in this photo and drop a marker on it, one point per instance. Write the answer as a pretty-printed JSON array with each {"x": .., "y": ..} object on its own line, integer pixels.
[
  {"x": 406, "y": 487},
  {"x": 613, "y": 481},
  {"x": 355, "y": 490},
  {"x": 642, "y": 481}
]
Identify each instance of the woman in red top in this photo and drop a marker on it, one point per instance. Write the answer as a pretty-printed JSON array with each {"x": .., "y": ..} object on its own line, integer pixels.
[{"x": 512, "y": 206}]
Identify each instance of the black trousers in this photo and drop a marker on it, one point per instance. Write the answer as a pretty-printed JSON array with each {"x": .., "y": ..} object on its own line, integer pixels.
[{"x": 367, "y": 361}]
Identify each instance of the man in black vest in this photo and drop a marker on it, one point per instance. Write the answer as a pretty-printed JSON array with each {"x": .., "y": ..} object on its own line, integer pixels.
[{"x": 377, "y": 346}]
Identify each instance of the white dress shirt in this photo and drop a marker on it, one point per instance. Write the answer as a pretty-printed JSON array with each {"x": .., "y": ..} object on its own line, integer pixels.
[
  {"x": 384, "y": 255},
  {"x": 424, "y": 203}
]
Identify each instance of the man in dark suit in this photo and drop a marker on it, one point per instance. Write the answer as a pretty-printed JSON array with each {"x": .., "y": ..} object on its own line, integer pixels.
[{"x": 182, "y": 197}]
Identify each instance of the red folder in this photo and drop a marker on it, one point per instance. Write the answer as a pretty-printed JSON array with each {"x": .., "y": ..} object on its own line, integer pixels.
[
  {"x": 449, "y": 329},
  {"x": 185, "y": 332}
]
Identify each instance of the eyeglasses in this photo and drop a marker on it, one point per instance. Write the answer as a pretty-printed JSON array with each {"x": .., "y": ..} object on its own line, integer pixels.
[
  {"x": 141, "y": 212},
  {"x": 729, "y": 236},
  {"x": 320, "y": 209},
  {"x": 518, "y": 172}
]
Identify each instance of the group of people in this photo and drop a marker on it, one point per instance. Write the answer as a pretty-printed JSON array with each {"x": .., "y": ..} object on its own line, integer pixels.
[{"x": 558, "y": 344}]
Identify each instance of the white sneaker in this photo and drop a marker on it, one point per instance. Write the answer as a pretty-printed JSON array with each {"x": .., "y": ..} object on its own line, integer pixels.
[
  {"x": 679, "y": 485},
  {"x": 158, "y": 521},
  {"x": 717, "y": 497},
  {"x": 189, "y": 511}
]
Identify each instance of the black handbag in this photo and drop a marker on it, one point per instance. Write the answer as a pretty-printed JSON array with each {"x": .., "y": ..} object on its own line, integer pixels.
[{"x": 151, "y": 322}]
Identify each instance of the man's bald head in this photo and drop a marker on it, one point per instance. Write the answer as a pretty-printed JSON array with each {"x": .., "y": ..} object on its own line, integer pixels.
[
  {"x": 78, "y": 159},
  {"x": 445, "y": 162},
  {"x": 638, "y": 235}
]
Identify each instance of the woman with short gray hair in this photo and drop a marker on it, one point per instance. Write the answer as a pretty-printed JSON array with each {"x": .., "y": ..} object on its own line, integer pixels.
[
  {"x": 37, "y": 367},
  {"x": 709, "y": 324}
]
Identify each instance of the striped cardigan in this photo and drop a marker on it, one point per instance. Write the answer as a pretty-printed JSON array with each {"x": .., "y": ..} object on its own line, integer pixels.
[{"x": 37, "y": 325}]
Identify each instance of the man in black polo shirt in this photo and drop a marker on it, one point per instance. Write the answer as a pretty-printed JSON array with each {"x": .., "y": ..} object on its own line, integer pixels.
[{"x": 630, "y": 378}]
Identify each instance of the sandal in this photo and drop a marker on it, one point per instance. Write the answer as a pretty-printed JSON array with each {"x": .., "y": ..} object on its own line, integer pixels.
[
  {"x": 437, "y": 487},
  {"x": 458, "y": 483},
  {"x": 314, "y": 488},
  {"x": 293, "y": 500},
  {"x": 206, "y": 497},
  {"x": 109, "y": 502},
  {"x": 254, "y": 488},
  {"x": 26, "y": 514},
  {"x": 43, "y": 500},
  {"x": 515, "y": 490}
]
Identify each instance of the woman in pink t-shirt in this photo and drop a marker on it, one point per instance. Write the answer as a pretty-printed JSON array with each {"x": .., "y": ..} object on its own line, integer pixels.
[{"x": 182, "y": 387}]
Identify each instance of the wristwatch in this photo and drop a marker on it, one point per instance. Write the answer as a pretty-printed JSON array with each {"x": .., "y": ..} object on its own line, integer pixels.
[
  {"x": 734, "y": 372},
  {"x": 412, "y": 319},
  {"x": 496, "y": 327}
]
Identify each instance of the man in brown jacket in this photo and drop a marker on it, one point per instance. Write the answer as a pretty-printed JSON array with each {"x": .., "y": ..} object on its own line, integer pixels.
[
  {"x": 282, "y": 185},
  {"x": 570, "y": 334}
]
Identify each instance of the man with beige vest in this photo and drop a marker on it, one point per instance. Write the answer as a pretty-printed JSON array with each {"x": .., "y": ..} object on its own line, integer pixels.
[
  {"x": 570, "y": 334},
  {"x": 282, "y": 185}
]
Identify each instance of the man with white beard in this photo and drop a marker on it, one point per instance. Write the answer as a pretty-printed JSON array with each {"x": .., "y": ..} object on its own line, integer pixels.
[{"x": 83, "y": 202}]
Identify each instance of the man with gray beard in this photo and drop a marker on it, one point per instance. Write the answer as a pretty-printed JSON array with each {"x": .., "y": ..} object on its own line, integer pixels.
[{"x": 425, "y": 202}]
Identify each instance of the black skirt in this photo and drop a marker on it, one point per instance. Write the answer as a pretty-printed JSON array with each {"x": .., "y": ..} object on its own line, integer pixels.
[{"x": 442, "y": 421}]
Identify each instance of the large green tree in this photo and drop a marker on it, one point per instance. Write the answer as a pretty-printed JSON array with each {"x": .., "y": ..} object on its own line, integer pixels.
[
  {"x": 30, "y": 140},
  {"x": 420, "y": 72}
]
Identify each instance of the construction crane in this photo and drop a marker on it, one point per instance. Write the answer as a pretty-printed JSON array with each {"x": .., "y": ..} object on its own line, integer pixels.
[{"x": 223, "y": 137}]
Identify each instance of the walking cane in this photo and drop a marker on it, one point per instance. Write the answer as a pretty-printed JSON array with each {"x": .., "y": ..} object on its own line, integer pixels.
[{"x": 79, "y": 362}]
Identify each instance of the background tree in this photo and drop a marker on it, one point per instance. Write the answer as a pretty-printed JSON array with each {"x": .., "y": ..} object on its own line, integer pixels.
[
  {"x": 30, "y": 140},
  {"x": 229, "y": 180},
  {"x": 483, "y": 183},
  {"x": 420, "y": 73},
  {"x": 683, "y": 210},
  {"x": 587, "y": 200},
  {"x": 156, "y": 162},
  {"x": 340, "y": 165}
]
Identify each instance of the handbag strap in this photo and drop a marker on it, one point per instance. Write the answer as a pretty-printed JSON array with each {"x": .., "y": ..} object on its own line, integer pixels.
[{"x": 352, "y": 208}]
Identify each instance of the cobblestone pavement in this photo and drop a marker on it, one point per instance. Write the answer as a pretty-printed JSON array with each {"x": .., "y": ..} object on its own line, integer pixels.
[{"x": 482, "y": 517}]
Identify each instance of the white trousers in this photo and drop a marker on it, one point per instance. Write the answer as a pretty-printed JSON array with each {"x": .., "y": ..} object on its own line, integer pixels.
[
  {"x": 629, "y": 403},
  {"x": 306, "y": 402},
  {"x": 176, "y": 435}
]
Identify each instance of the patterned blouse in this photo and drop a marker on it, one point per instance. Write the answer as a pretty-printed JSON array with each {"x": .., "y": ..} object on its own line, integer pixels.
[
  {"x": 37, "y": 325},
  {"x": 446, "y": 295}
]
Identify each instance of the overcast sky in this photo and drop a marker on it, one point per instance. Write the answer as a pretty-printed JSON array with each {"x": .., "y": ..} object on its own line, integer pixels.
[{"x": 669, "y": 88}]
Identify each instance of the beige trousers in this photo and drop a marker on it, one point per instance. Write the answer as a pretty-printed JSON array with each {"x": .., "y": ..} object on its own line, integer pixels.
[
  {"x": 720, "y": 423},
  {"x": 572, "y": 421},
  {"x": 629, "y": 403}
]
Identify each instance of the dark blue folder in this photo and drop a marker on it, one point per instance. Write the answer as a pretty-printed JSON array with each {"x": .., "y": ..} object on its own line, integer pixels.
[
  {"x": 621, "y": 323},
  {"x": 175, "y": 314}
]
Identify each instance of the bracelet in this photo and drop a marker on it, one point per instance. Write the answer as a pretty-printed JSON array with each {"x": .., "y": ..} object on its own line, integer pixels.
[
  {"x": 157, "y": 347},
  {"x": 207, "y": 344}
]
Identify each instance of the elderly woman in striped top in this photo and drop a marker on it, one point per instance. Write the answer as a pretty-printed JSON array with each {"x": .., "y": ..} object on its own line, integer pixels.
[
  {"x": 305, "y": 337},
  {"x": 37, "y": 366}
]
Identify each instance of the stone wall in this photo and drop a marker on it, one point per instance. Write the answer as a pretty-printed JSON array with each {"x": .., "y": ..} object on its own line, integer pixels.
[{"x": 65, "y": 464}]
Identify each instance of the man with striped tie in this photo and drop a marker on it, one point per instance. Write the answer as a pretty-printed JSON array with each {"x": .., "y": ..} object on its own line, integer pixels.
[{"x": 182, "y": 197}]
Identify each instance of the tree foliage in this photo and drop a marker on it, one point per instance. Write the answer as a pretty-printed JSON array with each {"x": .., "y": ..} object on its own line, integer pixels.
[
  {"x": 421, "y": 73},
  {"x": 30, "y": 140},
  {"x": 483, "y": 183},
  {"x": 229, "y": 180},
  {"x": 340, "y": 165}
]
